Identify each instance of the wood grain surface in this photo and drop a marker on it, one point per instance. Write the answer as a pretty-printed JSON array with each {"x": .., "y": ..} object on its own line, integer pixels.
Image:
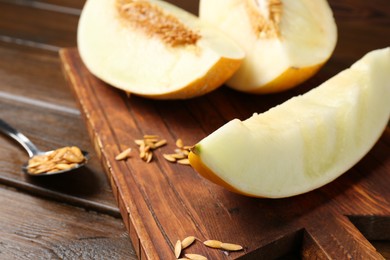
[
  {"x": 162, "y": 202},
  {"x": 64, "y": 217},
  {"x": 71, "y": 233}
]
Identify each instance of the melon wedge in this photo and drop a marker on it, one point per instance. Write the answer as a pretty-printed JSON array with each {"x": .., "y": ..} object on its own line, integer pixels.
[
  {"x": 306, "y": 142},
  {"x": 154, "y": 49},
  {"x": 286, "y": 42}
]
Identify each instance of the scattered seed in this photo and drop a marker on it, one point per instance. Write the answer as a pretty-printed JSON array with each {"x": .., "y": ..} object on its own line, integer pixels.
[
  {"x": 184, "y": 161},
  {"x": 188, "y": 147},
  {"x": 195, "y": 257},
  {"x": 123, "y": 155},
  {"x": 179, "y": 155},
  {"x": 139, "y": 142},
  {"x": 231, "y": 247},
  {"x": 160, "y": 143},
  {"x": 152, "y": 142},
  {"x": 169, "y": 157},
  {"x": 142, "y": 154},
  {"x": 213, "y": 243},
  {"x": 178, "y": 151},
  {"x": 187, "y": 242},
  {"x": 147, "y": 145},
  {"x": 179, "y": 143},
  {"x": 149, "y": 157},
  {"x": 178, "y": 248},
  {"x": 151, "y": 137}
]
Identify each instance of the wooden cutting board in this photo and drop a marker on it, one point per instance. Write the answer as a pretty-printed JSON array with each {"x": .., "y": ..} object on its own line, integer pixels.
[{"x": 162, "y": 202}]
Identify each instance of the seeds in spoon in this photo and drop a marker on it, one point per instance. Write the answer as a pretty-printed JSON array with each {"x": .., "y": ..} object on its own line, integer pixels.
[{"x": 58, "y": 160}]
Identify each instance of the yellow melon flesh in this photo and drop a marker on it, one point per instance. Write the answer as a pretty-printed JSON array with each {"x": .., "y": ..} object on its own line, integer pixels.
[
  {"x": 306, "y": 142},
  {"x": 286, "y": 42},
  {"x": 154, "y": 49}
]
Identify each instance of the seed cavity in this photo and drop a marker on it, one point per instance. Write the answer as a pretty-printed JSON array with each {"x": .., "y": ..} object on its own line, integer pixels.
[
  {"x": 155, "y": 22},
  {"x": 265, "y": 17}
]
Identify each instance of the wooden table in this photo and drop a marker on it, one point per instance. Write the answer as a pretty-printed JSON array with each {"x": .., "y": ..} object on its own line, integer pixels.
[
  {"x": 75, "y": 216},
  {"x": 56, "y": 217}
]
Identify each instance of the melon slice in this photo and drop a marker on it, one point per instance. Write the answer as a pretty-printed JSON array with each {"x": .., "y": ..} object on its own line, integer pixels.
[
  {"x": 286, "y": 42},
  {"x": 154, "y": 49},
  {"x": 306, "y": 142}
]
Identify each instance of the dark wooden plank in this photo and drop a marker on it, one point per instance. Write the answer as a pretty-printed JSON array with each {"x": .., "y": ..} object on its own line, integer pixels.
[
  {"x": 383, "y": 247},
  {"x": 33, "y": 228},
  {"x": 34, "y": 94},
  {"x": 40, "y": 28},
  {"x": 49, "y": 128},
  {"x": 31, "y": 75},
  {"x": 67, "y": 3},
  {"x": 66, "y": 6},
  {"x": 361, "y": 28}
]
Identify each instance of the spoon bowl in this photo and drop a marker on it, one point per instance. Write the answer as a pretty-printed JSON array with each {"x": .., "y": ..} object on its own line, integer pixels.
[{"x": 34, "y": 152}]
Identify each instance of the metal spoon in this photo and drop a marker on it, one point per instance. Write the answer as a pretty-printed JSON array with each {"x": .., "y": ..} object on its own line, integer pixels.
[{"x": 32, "y": 150}]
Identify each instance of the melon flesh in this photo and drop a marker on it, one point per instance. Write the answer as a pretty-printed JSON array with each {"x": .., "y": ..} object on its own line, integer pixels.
[
  {"x": 286, "y": 42},
  {"x": 129, "y": 55},
  {"x": 306, "y": 142}
]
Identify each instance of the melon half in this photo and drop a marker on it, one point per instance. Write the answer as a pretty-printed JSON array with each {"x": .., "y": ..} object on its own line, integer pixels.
[
  {"x": 306, "y": 142},
  {"x": 285, "y": 41},
  {"x": 154, "y": 49}
]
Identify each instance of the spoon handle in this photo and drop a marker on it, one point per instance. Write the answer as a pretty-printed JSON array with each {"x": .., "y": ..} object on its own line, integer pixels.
[{"x": 19, "y": 137}]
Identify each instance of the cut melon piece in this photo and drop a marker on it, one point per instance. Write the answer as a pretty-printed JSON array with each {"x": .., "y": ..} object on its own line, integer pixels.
[
  {"x": 306, "y": 142},
  {"x": 154, "y": 49},
  {"x": 286, "y": 42}
]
